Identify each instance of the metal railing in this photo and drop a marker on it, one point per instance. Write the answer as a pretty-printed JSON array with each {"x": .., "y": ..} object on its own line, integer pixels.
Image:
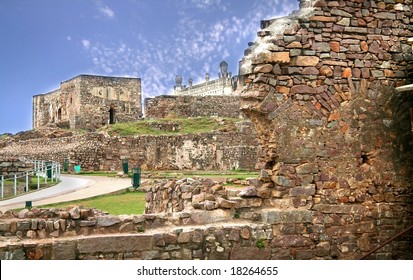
[
  {"x": 387, "y": 242},
  {"x": 43, "y": 170}
]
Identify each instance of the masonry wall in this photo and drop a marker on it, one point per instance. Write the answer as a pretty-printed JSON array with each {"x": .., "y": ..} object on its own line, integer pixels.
[
  {"x": 335, "y": 135},
  {"x": 198, "y": 220},
  {"x": 96, "y": 151},
  {"x": 84, "y": 102},
  {"x": 193, "y": 106},
  {"x": 11, "y": 165}
]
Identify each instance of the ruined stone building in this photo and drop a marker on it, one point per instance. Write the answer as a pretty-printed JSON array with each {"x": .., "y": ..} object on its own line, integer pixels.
[
  {"x": 225, "y": 84},
  {"x": 212, "y": 98},
  {"x": 89, "y": 102}
]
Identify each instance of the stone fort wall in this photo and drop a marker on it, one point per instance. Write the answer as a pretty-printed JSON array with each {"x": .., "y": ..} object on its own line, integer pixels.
[
  {"x": 167, "y": 106},
  {"x": 89, "y": 102},
  {"x": 190, "y": 219},
  {"x": 97, "y": 151}
]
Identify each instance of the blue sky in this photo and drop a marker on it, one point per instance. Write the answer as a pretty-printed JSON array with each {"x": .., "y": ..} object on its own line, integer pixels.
[{"x": 44, "y": 42}]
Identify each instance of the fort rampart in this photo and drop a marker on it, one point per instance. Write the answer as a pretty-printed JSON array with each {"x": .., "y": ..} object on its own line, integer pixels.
[{"x": 167, "y": 106}]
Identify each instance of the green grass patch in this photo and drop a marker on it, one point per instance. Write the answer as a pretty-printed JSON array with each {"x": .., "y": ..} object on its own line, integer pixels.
[
  {"x": 127, "y": 203},
  {"x": 32, "y": 183},
  {"x": 179, "y": 126},
  {"x": 99, "y": 173}
]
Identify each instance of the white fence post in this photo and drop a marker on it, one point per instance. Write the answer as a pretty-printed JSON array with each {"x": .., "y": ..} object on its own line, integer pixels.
[
  {"x": 2, "y": 186},
  {"x": 15, "y": 184},
  {"x": 27, "y": 182}
]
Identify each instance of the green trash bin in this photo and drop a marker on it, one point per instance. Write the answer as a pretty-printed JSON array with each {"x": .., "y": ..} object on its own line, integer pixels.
[
  {"x": 77, "y": 168},
  {"x": 125, "y": 166},
  {"x": 136, "y": 178},
  {"x": 49, "y": 166},
  {"x": 66, "y": 165}
]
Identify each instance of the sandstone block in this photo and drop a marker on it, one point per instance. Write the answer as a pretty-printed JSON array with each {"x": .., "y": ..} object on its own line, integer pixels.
[
  {"x": 307, "y": 168},
  {"x": 171, "y": 238},
  {"x": 247, "y": 202},
  {"x": 265, "y": 68},
  {"x": 303, "y": 60},
  {"x": 303, "y": 89},
  {"x": 347, "y": 73},
  {"x": 326, "y": 71},
  {"x": 227, "y": 204},
  {"x": 310, "y": 71},
  {"x": 245, "y": 233},
  {"x": 283, "y": 181},
  {"x": 323, "y": 18},
  {"x": 303, "y": 191},
  {"x": 279, "y": 57}
]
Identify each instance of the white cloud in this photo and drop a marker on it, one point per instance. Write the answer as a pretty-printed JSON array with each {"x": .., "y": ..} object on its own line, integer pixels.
[
  {"x": 196, "y": 48},
  {"x": 105, "y": 10},
  {"x": 207, "y": 4},
  {"x": 68, "y": 38},
  {"x": 86, "y": 43}
]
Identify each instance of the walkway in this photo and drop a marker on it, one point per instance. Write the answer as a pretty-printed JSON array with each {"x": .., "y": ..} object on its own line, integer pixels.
[{"x": 70, "y": 188}]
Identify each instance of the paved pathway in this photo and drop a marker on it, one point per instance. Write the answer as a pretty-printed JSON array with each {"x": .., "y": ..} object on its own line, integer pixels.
[{"x": 70, "y": 188}]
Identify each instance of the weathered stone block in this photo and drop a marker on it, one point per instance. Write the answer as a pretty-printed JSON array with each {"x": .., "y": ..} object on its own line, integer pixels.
[
  {"x": 307, "y": 168},
  {"x": 291, "y": 241},
  {"x": 303, "y": 89},
  {"x": 248, "y": 202},
  {"x": 107, "y": 221},
  {"x": 203, "y": 217},
  {"x": 4, "y": 226},
  {"x": 305, "y": 60},
  {"x": 150, "y": 255},
  {"x": 286, "y": 216},
  {"x": 278, "y": 57},
  {"x": 24, "y": 225},
  {"x": 248, "y": 253},
  {"x": 303, "y": 191},
  {"x": 340, "y": 209},
  {"x": 248, "y": 192},
  {"x": 184, "y": 237},
  {"x": 113, "y": 244},
  {"x": 283, "y": 181},
  {"x": 265, "y": 68},
  {"x": 65, "y": 250}
]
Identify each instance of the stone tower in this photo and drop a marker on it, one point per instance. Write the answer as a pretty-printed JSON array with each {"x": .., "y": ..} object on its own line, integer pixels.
[{"x": 89, "y": 102}]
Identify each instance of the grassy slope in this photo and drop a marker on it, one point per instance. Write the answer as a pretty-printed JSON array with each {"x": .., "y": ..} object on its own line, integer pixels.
[
  {"x": 182, "y": 126},
  {"x": 125, "y": 203}
]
